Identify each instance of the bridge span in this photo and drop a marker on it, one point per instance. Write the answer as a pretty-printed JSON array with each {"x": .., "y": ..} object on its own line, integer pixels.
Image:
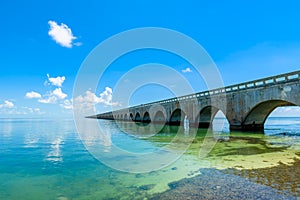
[{"x": 246, "y": 105}]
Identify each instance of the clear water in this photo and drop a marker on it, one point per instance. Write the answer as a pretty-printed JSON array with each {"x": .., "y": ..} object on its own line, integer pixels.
[{"x": 45, "y": 159}]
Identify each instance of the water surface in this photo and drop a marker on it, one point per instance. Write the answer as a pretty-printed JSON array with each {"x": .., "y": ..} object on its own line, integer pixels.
[{"x": 46, "y": 159}]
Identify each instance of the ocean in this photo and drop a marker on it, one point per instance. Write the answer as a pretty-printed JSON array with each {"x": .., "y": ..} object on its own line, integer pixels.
[{"x": 48, "y": 159}]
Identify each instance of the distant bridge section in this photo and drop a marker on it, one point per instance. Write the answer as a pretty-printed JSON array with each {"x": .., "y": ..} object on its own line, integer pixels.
[{"x": 246, "y": 105}]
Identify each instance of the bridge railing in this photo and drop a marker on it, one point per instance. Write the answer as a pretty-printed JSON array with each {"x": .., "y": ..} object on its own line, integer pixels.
[
  {"x": 279, "y": 79},
  {"x": 283, "y": 78}
]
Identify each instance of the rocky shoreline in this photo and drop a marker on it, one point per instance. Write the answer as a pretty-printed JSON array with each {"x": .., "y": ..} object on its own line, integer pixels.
[{"x": 223, "y": 184}]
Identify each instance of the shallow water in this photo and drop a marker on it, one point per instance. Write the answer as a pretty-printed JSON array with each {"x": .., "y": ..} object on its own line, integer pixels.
[{"x": 47, "y": 159}]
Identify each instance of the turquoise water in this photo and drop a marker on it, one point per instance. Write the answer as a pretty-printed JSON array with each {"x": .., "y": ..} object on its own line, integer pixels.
[{"x": 45, "y": 159}]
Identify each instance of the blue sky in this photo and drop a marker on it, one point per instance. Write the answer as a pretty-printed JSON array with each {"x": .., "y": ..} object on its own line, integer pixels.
[{"x": 43, "y": 44}]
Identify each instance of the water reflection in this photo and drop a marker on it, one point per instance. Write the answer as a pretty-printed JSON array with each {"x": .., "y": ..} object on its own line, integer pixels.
[
  {"x": 93, "y": 136},
  {"x": 55, "y": 154},
  {"x": 6, "y": 128},
  {"x": 139, "y": 129},
  {"x": 31, "y": 141},
  {"x": 125, "y": 153}
]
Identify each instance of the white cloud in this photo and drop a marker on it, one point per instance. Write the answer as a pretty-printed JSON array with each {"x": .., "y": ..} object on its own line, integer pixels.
[
  {"x": 77, "y": 44},
  {"x": 53, "y": 96},
  {"x": 187, "y": 70},
  {"x": 90, "y": 99},
  {"x": 14, "y": 110},
  {"x": 50, "y": 99},
  {"x": 28, "y": 110},
  {"x": 59, "y": 94},
  {"x": 7, "y": 104},
  {"x": 58, "y": 81},
  {"x": 286, "y": 111},
  {"x": 106, "y": 96},
  {"x": 61, "y": 34},
  {"x": 67, "y": 104},
  {"x": 32, "y": 95}
]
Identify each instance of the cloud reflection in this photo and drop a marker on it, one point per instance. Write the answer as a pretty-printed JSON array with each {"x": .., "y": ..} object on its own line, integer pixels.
[
  {"x": 55, "y": 154},
  {"x": 6, "y": 129}
]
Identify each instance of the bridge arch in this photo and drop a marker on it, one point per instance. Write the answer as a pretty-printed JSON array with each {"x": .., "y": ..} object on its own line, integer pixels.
[
  {"x": 159, "y": 117},
  {"x": 131, "y": 116},
  {"x": 125, "y": 117},
  {"x": 220, "y": 122},
  {"x": 257, "y": 116},
  {"x": 177, "y": 117},
  {"x": 146, "y": 118},
  {"x": 137, "y": 117},
  {"x": 206, "y": 116}
]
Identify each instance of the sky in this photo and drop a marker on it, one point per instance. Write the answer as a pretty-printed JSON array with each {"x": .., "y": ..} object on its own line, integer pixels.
[{"x": 45, "y": 43}]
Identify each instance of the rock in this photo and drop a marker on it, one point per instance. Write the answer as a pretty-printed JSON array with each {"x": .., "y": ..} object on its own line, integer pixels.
[{"x": 147, "y": 187}]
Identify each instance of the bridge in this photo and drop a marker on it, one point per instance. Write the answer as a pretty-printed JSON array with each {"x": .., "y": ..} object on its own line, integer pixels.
[{"x": 246, "y": 105}]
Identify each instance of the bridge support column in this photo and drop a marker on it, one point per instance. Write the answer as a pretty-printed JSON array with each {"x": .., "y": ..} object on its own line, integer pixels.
[{"x": 159, "y": 122}]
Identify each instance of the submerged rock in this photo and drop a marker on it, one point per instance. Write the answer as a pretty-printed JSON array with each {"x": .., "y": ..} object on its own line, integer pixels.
[{"x": 147, "y": 187}]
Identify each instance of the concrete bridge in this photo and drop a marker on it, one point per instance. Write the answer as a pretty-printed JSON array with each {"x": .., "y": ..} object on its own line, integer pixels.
[{"x": 245, "y": 105}]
